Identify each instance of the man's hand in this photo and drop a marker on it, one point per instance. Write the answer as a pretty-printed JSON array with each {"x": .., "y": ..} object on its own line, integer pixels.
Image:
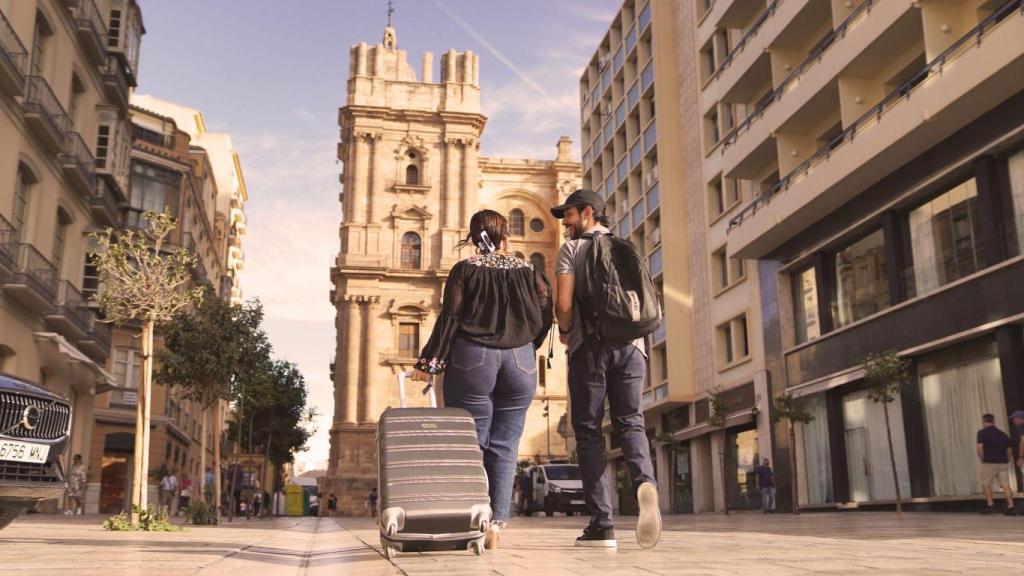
[
  {"x": 419, "y": 376},
  {"x": 563, "y": 337}
]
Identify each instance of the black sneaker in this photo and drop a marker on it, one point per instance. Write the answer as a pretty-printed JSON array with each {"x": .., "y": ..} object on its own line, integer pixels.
[
  {"x": 988, "y": 510},
  {"x": 597, "y": 537},
  {"x": 1010, "y": 512}
]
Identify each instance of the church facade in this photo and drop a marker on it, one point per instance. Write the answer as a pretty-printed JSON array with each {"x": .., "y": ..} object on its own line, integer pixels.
[{"x": 412, "y": 178}]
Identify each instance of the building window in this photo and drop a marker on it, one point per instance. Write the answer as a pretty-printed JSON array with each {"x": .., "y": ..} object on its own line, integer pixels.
[
  {"x": 536, "y": 225},
  {"x": 411, "y": 248},
  {"x": 944, "y": 237},
  {"x": 60, "y": 238},
  {"x": 732, "y": 341},
  {"x": 412, "y": 175},
  {"x": 22, "y": 197},
  {"x": 516, "y": 222},
  {"x": 128, "y": 373},
  {"x": 537, "y": 259},
  {"x": 1015, "y": 165},
  {"x": 74, "y": 102},
  {"x": 408, "y": 340},
  {"x": 102, "y": 146},
  {"x": 114, "y": 29},
  {"x": 817, "y": 453},
  {"x": 41, "y": 42},
  {"x": 805, "y": 305},
  {"x": 727, "y": 271},
  {"x": 152, "y": 189},
  {"x": 862, "y": 283}
]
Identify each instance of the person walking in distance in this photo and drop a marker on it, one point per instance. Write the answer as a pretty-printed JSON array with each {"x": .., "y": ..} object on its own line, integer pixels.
[
  {"x": 607, "y": 358},
  {"x": 766, "y": 483},
  {"x": 995, "y": 454},
  {"x": 332, "y": 504},
  {"x": 168, "y": 489},
  {"x": 373, "y": 503},
  {"x": 77, "y": 478},
  {"x": 184, "y": 492},
  {"x": 496, "y": 315}
]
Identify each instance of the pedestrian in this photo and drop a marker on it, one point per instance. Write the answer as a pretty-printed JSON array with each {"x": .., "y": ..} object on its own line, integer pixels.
[
  {"x": 168, "y": 488},
  {"x": 766, "y": 483},
  {"x": 332, "y": 504},
  {"x": 1017, "y": 419},
  {"x": 184, "y": 493},
  {"x": 995, "y": 453},
  {"x": 496, "y": 314},
  {"x": 525, "y": 493},
  {"x": 77, "y": 478},
  {"x": 601, "y": 367},
  {"x": 257, "y": 504},
  {"x": 208, "y": 485},
  {"x": 373, "y": 503}
]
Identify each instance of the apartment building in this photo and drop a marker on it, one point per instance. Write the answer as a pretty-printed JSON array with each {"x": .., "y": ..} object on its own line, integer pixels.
[
  {"x": 879, "y": 147},
  {"x": 66, "y": 70},
  {"x": 624, "y": 138}
]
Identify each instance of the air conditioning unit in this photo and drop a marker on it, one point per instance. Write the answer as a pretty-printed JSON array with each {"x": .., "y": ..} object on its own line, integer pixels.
[{"x": 656, "y": 236}]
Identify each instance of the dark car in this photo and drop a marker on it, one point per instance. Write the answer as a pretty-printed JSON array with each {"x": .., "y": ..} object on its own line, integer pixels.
[{"x": 34, "y": 430}]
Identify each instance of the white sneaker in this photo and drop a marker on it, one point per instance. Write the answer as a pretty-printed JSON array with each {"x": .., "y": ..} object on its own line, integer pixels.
[
  {"x": 68, "y": 512},
  {"x": 648, "y": 525}
]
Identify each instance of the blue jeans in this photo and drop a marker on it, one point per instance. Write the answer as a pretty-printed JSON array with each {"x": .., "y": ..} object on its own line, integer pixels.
[
  {"x": 497, "y": 388},
  {"x": 768, "y": 498},
  {"x": 597, "y": 370}
]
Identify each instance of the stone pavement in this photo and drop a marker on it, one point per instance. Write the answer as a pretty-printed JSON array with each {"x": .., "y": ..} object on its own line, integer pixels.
[{"x": 823, "y": 543}]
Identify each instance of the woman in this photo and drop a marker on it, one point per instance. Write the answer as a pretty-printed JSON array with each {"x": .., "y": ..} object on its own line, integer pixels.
[{"x": 496, "y": 314}]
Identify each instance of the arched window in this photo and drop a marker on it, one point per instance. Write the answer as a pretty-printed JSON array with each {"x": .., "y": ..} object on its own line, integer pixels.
[
  {"x": 537, "y": 259},
  {"x": 22, "y": 197},
  {"x": 411, "y": 250},
  {"x": 412, "y": 175},
  {"x": 520, "y": 255},
  {"x": 516, "y": 222}
]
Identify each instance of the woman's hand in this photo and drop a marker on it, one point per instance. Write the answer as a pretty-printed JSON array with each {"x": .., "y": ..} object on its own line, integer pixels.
[{"x": 419, "y": 376}]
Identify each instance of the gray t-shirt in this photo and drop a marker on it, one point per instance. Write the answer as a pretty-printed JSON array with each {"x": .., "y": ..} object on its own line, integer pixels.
[{"x": 570, "y": 259}]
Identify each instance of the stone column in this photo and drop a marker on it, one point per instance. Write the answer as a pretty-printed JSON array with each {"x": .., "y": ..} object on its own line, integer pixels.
[
  {"x": 367, "y": 401},
  {"x": 353, "y": 325},
  {"x": 451, "y": 193},
  {"x": 469, "y": 182},
  {"x": 360, "y": 175},
  {"x": 378, "y": 158}
]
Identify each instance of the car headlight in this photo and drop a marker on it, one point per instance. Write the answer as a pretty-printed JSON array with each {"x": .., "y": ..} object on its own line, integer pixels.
[{"x": 556, "y": 490}]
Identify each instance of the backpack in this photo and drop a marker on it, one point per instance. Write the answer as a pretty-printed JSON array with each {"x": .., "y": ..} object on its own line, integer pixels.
[{"x": 617, "y": 296}]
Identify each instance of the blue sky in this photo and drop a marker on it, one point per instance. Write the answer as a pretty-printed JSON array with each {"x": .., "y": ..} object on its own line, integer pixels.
[{"x": 272, "y": 74}]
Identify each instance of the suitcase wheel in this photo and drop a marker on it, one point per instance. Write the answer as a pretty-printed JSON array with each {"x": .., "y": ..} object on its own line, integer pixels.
[
  {"x": 389, "y": 552},
  {"x": 478, "y": 547}
]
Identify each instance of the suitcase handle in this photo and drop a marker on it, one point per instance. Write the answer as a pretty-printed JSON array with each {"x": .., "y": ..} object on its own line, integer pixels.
[{"x": 427, "y": 390}]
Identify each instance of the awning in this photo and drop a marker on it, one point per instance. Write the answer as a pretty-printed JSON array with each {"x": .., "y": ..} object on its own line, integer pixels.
[
  {"x": 103, "y": 381},
  {"x": 734, "y": 419}
]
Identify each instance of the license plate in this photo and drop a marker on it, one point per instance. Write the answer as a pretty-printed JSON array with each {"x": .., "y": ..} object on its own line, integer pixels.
[
  {"x": 23, "y": 452},
  {"x": 576, "y": 502}
]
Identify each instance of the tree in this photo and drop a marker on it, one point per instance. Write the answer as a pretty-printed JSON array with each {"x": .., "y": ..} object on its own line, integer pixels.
[
  {"x": 793, "y": 411},
  {"x": 142, "y": 281},
  {"x": 204, "y": 352},
  {"x": 276, "y": 418},
  {"x": 885, "y": 375},
  {"x": 718, "y": 410}
]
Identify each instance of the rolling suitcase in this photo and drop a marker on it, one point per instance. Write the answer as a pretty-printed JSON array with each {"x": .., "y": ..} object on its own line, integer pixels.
[{"x": 432, "y": 483}]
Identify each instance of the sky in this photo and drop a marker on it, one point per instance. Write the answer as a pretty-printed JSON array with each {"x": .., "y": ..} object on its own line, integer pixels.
[{"x": 272, "y": 74}]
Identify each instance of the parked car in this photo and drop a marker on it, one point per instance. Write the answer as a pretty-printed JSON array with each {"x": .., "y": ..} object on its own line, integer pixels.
[
  {"x": 35, "y": 427},
  {"x": 556, "y": 487}
]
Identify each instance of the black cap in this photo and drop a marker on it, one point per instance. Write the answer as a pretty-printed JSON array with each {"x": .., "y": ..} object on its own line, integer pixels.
[{"x": 580, "y": 198}]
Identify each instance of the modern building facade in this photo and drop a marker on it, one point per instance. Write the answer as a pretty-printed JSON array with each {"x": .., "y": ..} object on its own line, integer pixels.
[
  {"x": 66, "y": 71},
  {"x": 412, "y": 178},
  {"x": 883, "y": 143}
]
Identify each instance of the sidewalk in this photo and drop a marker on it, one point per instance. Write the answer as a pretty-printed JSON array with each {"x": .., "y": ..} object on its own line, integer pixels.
[{"x": 826, "y": 543}]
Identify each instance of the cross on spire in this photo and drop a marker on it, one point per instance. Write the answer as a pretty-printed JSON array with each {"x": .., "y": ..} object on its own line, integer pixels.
[{"x": 391, "y": 10}]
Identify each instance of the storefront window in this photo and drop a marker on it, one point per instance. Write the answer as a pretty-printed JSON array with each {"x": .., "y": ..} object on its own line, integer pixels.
[
  {"x": 862, "y": 286},
  {"x": 867, "y": 449},
  {"x": 741, "y": 466},
  {"x": 1016, "y": 169},
  {"x": 805, "y": 305},
  {"x": 682, "y": 480},
  {"x": 945, "y": 238},
  {"x": 817, "y": 453},
  {"x": 955, "y": 397}
]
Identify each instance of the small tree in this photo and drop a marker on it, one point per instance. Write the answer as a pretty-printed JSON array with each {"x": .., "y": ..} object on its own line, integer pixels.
[
  {"x": 141, "y": 281},
  {"x": 793, "y": 411},
  {"x": 718, "y": 410},
  {"x": 885, "y": 375}
]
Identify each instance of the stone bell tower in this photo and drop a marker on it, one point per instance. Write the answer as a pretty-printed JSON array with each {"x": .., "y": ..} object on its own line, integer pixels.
[{"x": 409, "y": 186}]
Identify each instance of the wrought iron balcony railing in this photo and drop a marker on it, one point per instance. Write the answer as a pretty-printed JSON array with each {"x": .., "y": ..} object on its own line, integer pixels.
[{"x": 13, "y": 57}]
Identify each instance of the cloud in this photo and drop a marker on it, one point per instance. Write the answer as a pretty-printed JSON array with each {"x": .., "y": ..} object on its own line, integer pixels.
[{"x": 586, "y": 11}]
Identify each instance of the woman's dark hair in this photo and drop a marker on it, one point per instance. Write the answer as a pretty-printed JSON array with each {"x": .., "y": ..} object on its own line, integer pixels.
[{"x": 491, "y": 222}]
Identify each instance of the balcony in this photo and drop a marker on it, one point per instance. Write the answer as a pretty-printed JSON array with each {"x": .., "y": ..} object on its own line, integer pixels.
[
  {"x": 34, "y": 282},
  {"x": 44, "y": 114},
  {"x": 96, "y": 342},
  {"x": 8, "y": 248},
  {"x": 973, "y": 75},
  {"x": 13, "y": 60},
  {"x": 115, "y": 82},
  {"x": 92, "y": 32},
  {"x": 79, "y": 165},
  {"x": 104, "y": 204},
  {"x": 69, "y": 317}
]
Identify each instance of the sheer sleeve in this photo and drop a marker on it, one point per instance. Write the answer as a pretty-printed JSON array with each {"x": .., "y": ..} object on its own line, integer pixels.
[
  {"x": 434, "y": 356},
  {"x": 543, "y": 288}
]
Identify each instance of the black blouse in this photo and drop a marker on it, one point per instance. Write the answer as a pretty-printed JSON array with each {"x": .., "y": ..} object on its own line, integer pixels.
[{"x": 493, "y": 300}]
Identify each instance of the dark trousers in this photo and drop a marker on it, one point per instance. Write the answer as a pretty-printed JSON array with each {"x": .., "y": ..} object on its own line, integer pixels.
[{"x": 597, "y": 370}]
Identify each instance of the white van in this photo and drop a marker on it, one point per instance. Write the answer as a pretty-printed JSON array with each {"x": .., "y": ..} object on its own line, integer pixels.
[{"x": 554, "y": 487}]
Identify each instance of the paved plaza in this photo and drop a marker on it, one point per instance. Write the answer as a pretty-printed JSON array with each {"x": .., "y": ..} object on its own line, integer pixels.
[{"x": 835, "y": 543}]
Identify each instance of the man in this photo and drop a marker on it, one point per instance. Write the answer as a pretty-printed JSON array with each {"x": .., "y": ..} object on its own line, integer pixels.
[
  {"x": 995, "y": 453},
  {"x": 766, "y": 483},
  {"x": 168, "y": 488},
  {"x": 76, "y": 483},
  {"x": 332, "y": 504},
  {"x": 373, "y": 503},
  {"x": 598, "y": 369}
]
